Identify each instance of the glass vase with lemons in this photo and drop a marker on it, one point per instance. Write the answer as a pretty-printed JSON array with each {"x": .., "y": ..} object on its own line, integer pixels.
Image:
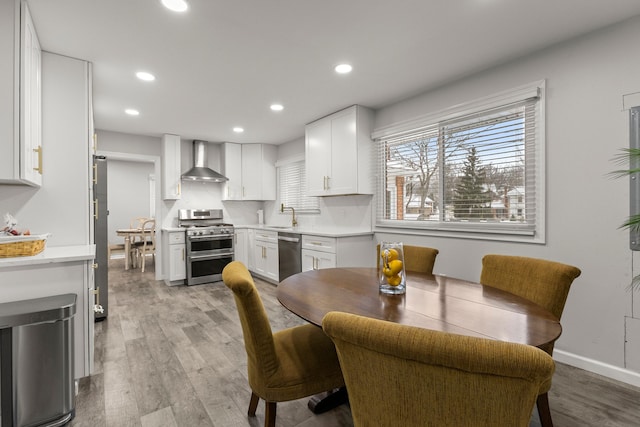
[{"x": 392, "y": 274}]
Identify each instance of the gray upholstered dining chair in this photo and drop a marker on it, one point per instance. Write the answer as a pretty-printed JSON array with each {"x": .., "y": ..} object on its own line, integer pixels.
[
  {"x": 544, "y": 282},
  {"x": 399, "y": 375},
  {"x": 289, "y": 364}
]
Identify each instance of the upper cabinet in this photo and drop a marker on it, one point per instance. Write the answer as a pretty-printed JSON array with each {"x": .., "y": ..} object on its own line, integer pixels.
[
  {"x": 251, "y": 171},
  {"x": 171, "y": 188},
  {"x": 20, "y": 96},
  {"x": 338, "y": 150}
]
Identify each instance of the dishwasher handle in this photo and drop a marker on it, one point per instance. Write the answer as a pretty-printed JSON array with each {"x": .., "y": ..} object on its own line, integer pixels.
[{"x": 289, "y": 239}]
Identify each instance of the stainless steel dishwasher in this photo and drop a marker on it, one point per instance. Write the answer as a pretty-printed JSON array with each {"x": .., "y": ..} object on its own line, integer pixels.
[{"x": 289, "y": 254}]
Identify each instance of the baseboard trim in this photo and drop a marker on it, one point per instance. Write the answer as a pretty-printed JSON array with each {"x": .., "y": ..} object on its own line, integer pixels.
[{"x": 600, "y": 368}]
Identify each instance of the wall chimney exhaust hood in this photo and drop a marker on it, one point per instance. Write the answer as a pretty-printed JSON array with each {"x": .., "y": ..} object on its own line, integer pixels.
[{"x": 200, "y": 171}]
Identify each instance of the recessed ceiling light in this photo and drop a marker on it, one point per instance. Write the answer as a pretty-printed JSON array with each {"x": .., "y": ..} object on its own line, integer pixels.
[
  {"x": 238, "y": 129},
  {"x": 132, "y": 112},
  {"x": 343, "y": 68},
  {"x": 147, "y": 77},
  {"x": 277, "y": 107},
  {"x": 175, "y": 5}
]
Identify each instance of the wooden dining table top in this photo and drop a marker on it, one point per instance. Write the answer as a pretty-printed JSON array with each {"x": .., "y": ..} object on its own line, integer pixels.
[{"x": 435, "y": 302}]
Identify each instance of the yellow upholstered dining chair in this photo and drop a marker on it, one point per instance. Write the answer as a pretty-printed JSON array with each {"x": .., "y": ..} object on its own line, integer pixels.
[
  {"x": 285, "y": 365},
  {"x": 399, "y": 375},
  {"x": 416, "y": 258},
  {"x": 544, "y": 282}
]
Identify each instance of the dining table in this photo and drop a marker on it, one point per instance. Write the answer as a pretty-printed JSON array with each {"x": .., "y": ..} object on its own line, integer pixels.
[
  {"x": 437, "y": 302},
  {"x": 130, "y": 234},
  {"x": 431, "y": 301}
]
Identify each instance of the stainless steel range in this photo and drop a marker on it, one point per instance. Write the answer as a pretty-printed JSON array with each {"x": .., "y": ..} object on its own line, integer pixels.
[{"x": 209, "y": 243}]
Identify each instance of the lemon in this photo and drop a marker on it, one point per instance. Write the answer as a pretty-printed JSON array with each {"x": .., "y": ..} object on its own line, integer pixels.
[
  {"x": 395, "y": 266},
  {"x": 390, "y": 254},
  {"x": 394, "y": 280}
]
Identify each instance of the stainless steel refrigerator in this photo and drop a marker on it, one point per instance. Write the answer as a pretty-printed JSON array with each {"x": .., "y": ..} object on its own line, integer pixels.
[{"x": 101, "y": 237}]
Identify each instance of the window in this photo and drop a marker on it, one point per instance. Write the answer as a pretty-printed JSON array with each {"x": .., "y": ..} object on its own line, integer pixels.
[
  {"x": 474, "y": 168},
  {"x": 292, "y": 185}
]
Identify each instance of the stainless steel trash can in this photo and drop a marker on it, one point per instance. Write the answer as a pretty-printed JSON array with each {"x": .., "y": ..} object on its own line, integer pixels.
[{"x": 36, "y": 361}]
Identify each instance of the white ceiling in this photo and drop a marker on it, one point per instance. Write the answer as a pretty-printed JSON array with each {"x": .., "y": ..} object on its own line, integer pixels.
[{"x": 223, "y": 62}]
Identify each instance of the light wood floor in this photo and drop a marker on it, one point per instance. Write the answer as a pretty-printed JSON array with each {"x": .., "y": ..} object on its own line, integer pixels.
[{"x": 174, "y": 356}]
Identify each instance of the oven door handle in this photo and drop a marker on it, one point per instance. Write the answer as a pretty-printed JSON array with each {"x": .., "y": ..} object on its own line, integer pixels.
[
  {"x": 216, "y": 256},
  {"x": 211, "y": 237}
]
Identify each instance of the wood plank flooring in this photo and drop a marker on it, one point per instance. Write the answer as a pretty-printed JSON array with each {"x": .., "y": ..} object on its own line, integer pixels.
[{"x": 174, "y": 356}]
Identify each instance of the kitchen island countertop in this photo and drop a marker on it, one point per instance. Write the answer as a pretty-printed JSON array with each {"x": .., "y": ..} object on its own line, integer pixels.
[{"x": 55, "y": 254}]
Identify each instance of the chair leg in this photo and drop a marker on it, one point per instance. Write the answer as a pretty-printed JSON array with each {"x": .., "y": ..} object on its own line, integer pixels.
[
  {"x": 253, "y": 404},
  {"x": 544, "y": 411},
  {"x": 270, "y": 414}
]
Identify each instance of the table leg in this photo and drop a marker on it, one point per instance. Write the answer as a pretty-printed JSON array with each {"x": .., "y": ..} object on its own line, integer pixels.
[
  {"x": 324, "y": 402},
  {"x": 127, "y": 251}
]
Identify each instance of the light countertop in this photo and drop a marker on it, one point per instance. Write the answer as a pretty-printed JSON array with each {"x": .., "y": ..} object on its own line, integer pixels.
[
  {"x": 56, "y": 254},
  {"x": 325, "y": 232}
]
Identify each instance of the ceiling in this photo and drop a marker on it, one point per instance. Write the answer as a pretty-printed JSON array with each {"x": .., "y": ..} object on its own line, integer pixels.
[{"x": 222, "y": 63}]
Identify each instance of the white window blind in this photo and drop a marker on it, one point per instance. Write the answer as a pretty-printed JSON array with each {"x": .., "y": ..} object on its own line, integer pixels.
[
  {"x": 292, "y": 183},
  {"x": 476, "y": 172}
]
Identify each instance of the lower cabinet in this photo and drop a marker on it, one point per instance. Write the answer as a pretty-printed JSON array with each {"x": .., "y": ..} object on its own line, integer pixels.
[
  {"x": 177, "y": 258},
  {"x": 57, "y": 277},
  {"x": 265, "y": 255},
  {"x": 316, "y": 260},
  {"x": 240, "y": 252},
  {"x": 320, "y": 252}
]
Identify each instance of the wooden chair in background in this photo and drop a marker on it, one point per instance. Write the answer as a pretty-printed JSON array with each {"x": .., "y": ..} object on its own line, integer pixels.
[
  {"x": 544, "y": 282},
  {"x": 146, "y": 243}
]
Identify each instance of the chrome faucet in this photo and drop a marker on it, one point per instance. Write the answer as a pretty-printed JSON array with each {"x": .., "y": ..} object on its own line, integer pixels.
[{"x": 293, "y": 212}]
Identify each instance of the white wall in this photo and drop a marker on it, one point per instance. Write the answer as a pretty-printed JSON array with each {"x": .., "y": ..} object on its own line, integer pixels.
[
  {"x": 586, "y": 126},
  {"x": 128, "y": 195}
]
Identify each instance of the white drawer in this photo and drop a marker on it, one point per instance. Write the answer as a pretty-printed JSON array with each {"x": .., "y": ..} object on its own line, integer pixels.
[
  {"x": 318, "y": 243},
  {"x": 176, "y": 238},
  {"x": 266, "y": 236}
]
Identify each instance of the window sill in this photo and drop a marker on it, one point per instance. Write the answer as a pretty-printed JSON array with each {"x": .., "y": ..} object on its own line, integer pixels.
[{"x": 461, "y": 231}]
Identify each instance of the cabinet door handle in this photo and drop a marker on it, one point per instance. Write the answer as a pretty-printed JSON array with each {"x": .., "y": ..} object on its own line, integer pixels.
[
  {"x": 39, "y": 151},
  {"x": 324, "y": 182},
  {"x": 95, "y": 174},
  {"x": 183, "y": 254},
  {"x": 95, "y": 209},
  {"x": 179, "y": 189}
]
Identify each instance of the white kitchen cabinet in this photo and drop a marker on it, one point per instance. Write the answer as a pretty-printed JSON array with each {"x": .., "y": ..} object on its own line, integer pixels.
[
  {"x": 20, "y": 110},
  {"x": 251, "y": 243},
  {"x": 265, "y": 255},
  {"x": 338, "y": 151},
  {"x": 316, "y": 260},
  {"x": 171, "y": 184},
  {"x": 320, "y": 252},
  {"x": 177, "y": 262},
  {"x": 240, "y": 252},
  {"x": 251, "y": 171}
]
